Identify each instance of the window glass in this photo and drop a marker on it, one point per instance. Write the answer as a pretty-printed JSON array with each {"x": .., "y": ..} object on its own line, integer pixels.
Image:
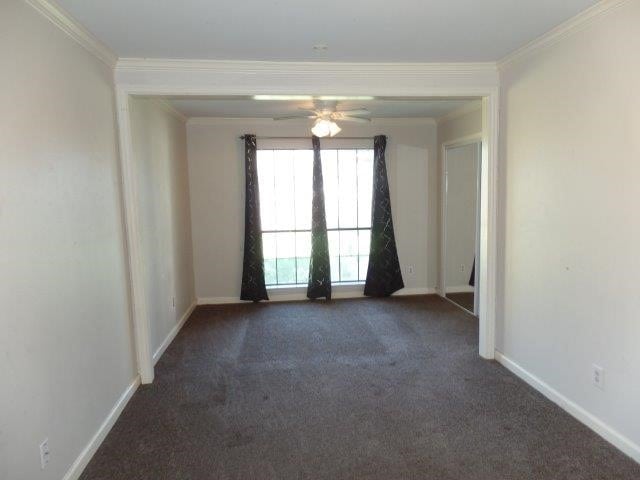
[
  {"x": 286, "y": 193},
  {"x": 347, "y": 189}
]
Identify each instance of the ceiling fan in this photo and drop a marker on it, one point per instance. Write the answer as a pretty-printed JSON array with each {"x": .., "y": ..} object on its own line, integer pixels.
[{"x": 325, "y": 117}]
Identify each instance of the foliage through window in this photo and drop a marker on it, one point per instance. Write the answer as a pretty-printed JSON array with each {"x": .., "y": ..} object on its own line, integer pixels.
[{"x": 285, "y": 178}]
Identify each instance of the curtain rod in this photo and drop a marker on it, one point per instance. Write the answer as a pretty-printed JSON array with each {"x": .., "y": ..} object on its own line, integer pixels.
[{"x": 307, "y": 138}]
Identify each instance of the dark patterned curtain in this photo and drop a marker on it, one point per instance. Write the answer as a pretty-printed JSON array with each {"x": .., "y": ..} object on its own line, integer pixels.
[
  {"x": 319, "y": 266},
  {"x": 383, "y": 275},
  {"x": 472, "y": 278},
  {"x": 253, "y": 287}
]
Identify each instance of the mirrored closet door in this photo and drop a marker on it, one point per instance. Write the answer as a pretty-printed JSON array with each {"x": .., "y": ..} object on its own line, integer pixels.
[{"x": 461, "y": 202}]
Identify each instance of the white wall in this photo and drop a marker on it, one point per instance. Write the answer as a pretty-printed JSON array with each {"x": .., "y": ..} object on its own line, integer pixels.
[
  {"x": 467, "y": 122},
  {"x": 570, "y": 269},
  {"x": 461, "y": 214},
  {"x": 216, "y": 172},
  {"x": 159, "y": 141},
  {"x": 66, "y": 350}
]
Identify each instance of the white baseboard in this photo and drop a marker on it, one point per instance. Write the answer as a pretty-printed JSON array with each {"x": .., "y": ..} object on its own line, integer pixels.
[
  {"x": 300, "y": 293},
  {"x": 87, "y": 453},
  {"x": 601, "y": 428},
  {"x": 460, "y": 289},
  {"x": 174, "y": 331}
]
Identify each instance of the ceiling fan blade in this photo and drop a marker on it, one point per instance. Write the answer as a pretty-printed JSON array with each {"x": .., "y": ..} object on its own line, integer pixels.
[
  {"x": 310, "y": 111},
  {"x": 293, "y": 117},
  {"x": 355, "y": 119},
  {"x": 355, "y": 111}
]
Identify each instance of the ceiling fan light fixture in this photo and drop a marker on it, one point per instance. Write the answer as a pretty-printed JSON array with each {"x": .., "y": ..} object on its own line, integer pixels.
[
  {"x": 334, "y": 129},
  {"x": 325, "y": 117},
  {"x": 322, "y": 128}
]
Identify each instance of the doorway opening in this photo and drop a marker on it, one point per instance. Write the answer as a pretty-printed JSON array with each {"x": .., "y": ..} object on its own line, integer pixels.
[
  {"x": 461, "y": 189},
  {"x": 485, "y": 262}
]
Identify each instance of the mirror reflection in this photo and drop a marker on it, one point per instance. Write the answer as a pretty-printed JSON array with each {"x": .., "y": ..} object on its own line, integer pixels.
[{"x": 461, "y": 219}]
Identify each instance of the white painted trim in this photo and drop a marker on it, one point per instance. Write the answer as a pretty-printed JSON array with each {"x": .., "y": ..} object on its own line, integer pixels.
[
  {"x": 607, "y": 432},
  {"x": 90, "y": 449},
  {"x": 487, "y": 261},
  {"x": 382, "y": 121},
  {"x": 211, "y": 78},
  {"x": 174, "y": 331},
  {"x": 472, "y": 106},
  {"x": 260, "y": 67},
  {"x": 565, "y": 29},
  {"x": 70, "y": 26},
  {"x": 170, "y": 109},
  {"x": 139, "y": 311},
  {"x": 214, "y": 78},
  {"x": 302, "y": 295}
]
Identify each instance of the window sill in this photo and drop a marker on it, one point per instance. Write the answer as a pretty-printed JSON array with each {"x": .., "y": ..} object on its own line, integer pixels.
[{"x": 303, "y": 288}]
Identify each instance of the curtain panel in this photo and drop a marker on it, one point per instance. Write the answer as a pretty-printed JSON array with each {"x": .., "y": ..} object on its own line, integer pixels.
[
  {"x": 253, "y": 287},
  {"x": 472, "y": 278},
  {"x": 383, "y": 275},
  {"x": 319, "y": 266}
]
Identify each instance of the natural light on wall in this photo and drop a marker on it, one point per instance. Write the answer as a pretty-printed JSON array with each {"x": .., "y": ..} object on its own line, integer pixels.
[{"x": 285, "y": 178}]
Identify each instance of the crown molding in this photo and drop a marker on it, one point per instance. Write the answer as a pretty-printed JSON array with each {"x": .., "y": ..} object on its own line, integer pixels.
[
  {"x": 472, "y": 106},
  {"x": 70, "y": 26},
  {"x": 565, "y": 29},
  {"x": 304, "y": 68},
  {"x": 166, "y": 105},
  {"x": 382, "y": 121},
  {"x": 201, "y": 77}
]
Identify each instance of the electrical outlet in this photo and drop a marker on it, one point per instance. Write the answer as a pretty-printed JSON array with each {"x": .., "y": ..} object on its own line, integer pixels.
[
  {"x": 44, "y": 453},
  {"x": 598, "y": 376},
  {"x": 410, "y": 268},
  {"x": 462, "y": 267}
]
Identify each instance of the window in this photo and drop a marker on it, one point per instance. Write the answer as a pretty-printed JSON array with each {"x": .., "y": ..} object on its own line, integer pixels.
[{"x": 286, "y": 178}]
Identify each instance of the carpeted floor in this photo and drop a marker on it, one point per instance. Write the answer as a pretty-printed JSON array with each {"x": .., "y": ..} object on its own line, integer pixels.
[
  {"x": 356, "y": 389},
  {"x": 464, "y": 299}
]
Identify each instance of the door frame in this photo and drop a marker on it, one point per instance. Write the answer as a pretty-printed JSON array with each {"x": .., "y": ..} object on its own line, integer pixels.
[
  {"x": 140, "y": 77},
  {"x": 475, "y": 138}
]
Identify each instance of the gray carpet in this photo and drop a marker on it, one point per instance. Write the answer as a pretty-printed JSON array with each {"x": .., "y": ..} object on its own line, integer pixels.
[{"x": 356, "y": 389}]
